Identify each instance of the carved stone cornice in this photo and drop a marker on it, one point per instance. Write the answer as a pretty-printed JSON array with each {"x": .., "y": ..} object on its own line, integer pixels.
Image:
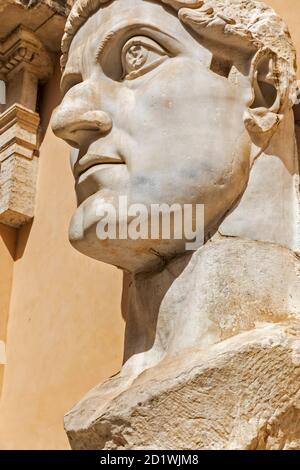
[
  {"x": 18, "y": 164},
  {"x": 18, "y": 133},
  {"x": 23, "y": 50},
  {"x": 24, "y": 62},
  {"x": 59, "y": 6},
  {"x": 45, "y": 17}
]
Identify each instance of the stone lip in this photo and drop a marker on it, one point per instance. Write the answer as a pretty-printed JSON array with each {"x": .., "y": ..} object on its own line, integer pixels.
[{"x": 244, "y": 393}]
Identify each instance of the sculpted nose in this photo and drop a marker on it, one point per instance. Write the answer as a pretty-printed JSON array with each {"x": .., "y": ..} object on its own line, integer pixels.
[{"x": 79, "y": 128}]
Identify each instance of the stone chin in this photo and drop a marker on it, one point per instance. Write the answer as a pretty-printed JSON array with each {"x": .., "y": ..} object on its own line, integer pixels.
[
  {"x": 130, "y": 255},
  {"x": 137, "y": 255}
]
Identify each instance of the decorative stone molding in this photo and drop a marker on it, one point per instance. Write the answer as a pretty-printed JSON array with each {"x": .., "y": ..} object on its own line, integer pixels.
[
  {"x": 45, "y": 17},
  {"x": 30, "y": 34},
  {"x": 23, "y": 49},
  {"x": 18, "y": 164},
  {"x": 60, "y": 6},
  {"x": 24, "y": 62}
]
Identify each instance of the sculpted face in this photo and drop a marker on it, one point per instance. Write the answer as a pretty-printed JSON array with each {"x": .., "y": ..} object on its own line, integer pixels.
[{"x": 148, "y": 119}]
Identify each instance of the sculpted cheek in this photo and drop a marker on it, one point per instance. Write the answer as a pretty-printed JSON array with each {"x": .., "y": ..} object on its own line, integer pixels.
[
  {"x": 125, "y": 104},
  {"x": 174, "y": 93}
]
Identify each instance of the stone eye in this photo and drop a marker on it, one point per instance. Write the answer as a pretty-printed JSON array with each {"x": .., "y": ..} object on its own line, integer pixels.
[
  {"x": 140, "y": 55},
  {"x": 136, "y": 56}
]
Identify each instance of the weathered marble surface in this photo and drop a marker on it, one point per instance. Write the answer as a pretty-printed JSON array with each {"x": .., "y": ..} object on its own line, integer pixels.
[
  {"x": 241, "y": 394},
  {"x": 203, "y": 115}
]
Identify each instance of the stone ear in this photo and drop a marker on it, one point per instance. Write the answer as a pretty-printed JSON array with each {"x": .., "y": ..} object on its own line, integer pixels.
[{"x": 263, "y": 114}]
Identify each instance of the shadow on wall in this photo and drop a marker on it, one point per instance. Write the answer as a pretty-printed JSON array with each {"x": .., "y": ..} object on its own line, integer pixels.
[
  {"x": 55, "y": 101},
  {"x": 124, "y": 302},
  {"x": 9, "y": 237},
  {"x": 20, "y": 236},
  {"x": 23, "y": 236}
]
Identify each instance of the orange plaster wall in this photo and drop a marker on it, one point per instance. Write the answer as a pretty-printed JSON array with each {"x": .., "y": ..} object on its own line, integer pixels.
[
  {"x": 7, "y": 250},
  {"x": 290, "y": 12},
  {"x": 65, "y": 329}
]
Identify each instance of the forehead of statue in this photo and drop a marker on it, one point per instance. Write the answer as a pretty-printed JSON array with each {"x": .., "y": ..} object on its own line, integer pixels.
[{"x": 122, "y": 15}]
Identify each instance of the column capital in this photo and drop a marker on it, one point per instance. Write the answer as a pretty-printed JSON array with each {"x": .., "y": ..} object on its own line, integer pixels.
[
  {"x": 23, "y": 50},
  {"x": 30, "y": 36}
]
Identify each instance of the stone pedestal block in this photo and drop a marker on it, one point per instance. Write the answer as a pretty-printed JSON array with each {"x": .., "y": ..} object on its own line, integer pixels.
[{"x": 242, "y": 394}]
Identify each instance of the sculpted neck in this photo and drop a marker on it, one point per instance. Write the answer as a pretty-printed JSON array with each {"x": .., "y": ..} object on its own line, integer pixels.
[
  {"x": 243, "y": 277},
  {"x": 145, "y": 334},
  {"x": 228, "y": 286}
]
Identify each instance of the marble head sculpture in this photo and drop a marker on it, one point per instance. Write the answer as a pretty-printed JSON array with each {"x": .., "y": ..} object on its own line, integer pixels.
[
  {"x": 189, "y": 102},
  {"x": 168, "y": 101}
]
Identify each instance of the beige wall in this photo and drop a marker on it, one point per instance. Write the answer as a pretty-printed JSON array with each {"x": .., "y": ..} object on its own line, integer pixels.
[
  {"x": 290, "y": 11},
  {"x": 65, "y": 328},
  {"x": 7, "y": 251}
]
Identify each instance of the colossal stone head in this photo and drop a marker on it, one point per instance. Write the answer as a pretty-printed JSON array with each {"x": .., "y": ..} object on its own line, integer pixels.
[{"x": 168, "y": 101}]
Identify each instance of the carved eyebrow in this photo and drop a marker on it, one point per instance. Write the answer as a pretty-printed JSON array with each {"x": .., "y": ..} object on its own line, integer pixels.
[
  {"x": 107, "y": 39},
  {"x": 134, "y": 26},
  {"x": 71, "y": 77}
]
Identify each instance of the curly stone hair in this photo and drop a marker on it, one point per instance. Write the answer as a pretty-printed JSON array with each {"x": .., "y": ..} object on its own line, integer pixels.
[{"x": 223, "y": 26}]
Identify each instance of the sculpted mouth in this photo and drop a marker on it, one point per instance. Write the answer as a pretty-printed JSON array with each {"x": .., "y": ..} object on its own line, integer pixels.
[{"x": 94, "y": 161}]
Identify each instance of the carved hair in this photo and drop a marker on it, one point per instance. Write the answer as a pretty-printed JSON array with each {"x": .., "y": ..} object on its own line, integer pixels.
[{"x": 241, "y": 25}]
